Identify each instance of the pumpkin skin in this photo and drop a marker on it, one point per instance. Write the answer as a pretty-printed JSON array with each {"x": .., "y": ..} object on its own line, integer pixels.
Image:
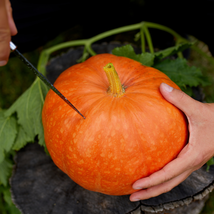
[{"x": 122, "y": 138}]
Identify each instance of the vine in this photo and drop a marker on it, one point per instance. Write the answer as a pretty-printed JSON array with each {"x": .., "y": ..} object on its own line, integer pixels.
[{"x": 87, "y": 43}]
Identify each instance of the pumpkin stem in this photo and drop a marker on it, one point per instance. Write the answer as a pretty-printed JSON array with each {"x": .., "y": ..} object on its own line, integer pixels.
[{"x": 115, "y": 86}]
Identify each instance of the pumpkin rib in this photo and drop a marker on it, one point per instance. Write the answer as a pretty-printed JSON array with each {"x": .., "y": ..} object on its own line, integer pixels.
[
  {"x": 138, "y": 80},
  {"x": 142, "y": 81},
  {"x": 136, "y": 105},
  {"x": 88, "y": 76},
  {"x": 96, "y": 102},
  {"x": 127, "y": 60},
  {"x": 130, "y": 78}
]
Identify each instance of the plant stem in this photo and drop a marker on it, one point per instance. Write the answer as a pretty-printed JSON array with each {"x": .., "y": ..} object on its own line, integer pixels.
[
  {"x": 164, "y": 28},
  {"x": 143, "y": 45},
  {"x": 115, "y": 87},
  {"x": 148, "y": 37},
  {"x": 115, "y": 31},
  {"x": 43, "y": 59},
  {"x": 143, "y": 26},
  {"x": 66, "y": 45}
]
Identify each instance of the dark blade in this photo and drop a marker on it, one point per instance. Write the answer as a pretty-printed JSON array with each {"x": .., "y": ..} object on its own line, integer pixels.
[{"x": 43, "y": 78}]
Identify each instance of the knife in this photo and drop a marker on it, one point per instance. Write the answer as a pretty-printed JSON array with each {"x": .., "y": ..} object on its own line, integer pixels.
[{"x": 41, "y": 76}]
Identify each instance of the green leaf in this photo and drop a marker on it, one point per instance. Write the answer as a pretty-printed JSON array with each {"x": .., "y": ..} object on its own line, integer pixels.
[
  {"x": 22, "y": 139},
  {"x": 5, "y": 169},
  {"x": 6, "y": 204},
  {"x": 188, "y": 90},
  {"x": 181, "y": 73},
  {"x": 210, "y": 162},
  {"x": 148, "y": 59},
  {"x": 7, "y": 195},
  {"x": 128, "y": 51},
  {"x": 8, "y": 132},
  {"x": 171, "y": 51},
  {"x": 29, "y": 110}
]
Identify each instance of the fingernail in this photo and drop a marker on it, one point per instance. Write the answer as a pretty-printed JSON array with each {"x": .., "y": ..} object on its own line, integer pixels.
[
  {"x": 135, "y": 199},
  {"x": 3, "y": 62},
  {"x": 137, "y": 187},
  {"x": 167, "y": 87}
]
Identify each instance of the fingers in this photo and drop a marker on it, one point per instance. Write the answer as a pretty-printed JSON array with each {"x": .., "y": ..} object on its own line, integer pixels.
[
  {"x": 4, "y": 34},
  {"x": 174, "y": 168},
  {"x": 159, "y": 189},
  {"x": 167, "y": 178},
  {"x": 178, "y": 98},
  {"x": 188, "y": 159},
  {"x": 199, "y": 149},
  {"x": 7, "y": 28},
  {"x": 11, "y": 22}
]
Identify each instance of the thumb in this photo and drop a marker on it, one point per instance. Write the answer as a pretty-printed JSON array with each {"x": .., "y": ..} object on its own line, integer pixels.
[{"x": 179, "y": 99}]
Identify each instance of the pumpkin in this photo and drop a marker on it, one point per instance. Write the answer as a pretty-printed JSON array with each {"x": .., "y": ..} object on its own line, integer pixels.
[{"x": 129, "y": 131}]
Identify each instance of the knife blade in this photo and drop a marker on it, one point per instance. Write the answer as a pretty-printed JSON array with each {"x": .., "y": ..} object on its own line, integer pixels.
[{"x": 42, "y": 77}]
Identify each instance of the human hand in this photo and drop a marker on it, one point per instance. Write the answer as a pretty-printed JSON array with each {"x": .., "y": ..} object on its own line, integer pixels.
[
  {"x": 193, "y": 156},
  {"x": 7, "y": 29}
]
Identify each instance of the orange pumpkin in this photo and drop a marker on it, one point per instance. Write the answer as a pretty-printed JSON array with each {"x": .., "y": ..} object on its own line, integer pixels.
[{"x": 130, "y": 130}]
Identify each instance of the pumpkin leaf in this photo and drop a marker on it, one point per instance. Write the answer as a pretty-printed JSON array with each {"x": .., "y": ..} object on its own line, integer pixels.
[
  {"x": 6, "y": 204},
  {"x": 128, "y": 51},
  {"x": 28, "y": 108},
  {"x": 171, "y": 51},
  {"x": 5, "y": 169},
  {"x": 181, "y": 73},
  {"x": 8, "y": 132},
  {"x": 149, "y": 59},
  {"x": 22, "y": 139}
]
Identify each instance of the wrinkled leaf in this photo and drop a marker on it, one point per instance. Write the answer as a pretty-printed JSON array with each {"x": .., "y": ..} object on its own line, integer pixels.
[
  {"x": 8, "y": 132},
  {"x": 28, "y": 108},
  {"x": 171, "y": 51},
  {"x": 149, "y": 59},
  {"x": 128, "y": 51},
  {"x": 181, "y": 73},
  {"x": 22, "y": 139}
]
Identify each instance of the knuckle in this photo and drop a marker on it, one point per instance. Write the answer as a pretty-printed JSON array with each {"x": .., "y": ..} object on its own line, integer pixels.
[
  {"x": 166, "y": 175},
  {"x": 4, "y": 35},
  {"x": 200, "y": 161},
  {"x": 181, "y": 95},
  {"x": 167, "y": 189},
  {"x": 4, "y": 44},
  {"x": 154, "y": 193}
]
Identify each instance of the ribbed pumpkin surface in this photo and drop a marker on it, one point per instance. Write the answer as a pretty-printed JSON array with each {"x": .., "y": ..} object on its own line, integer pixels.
[{"x": 122, "y": 138}]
